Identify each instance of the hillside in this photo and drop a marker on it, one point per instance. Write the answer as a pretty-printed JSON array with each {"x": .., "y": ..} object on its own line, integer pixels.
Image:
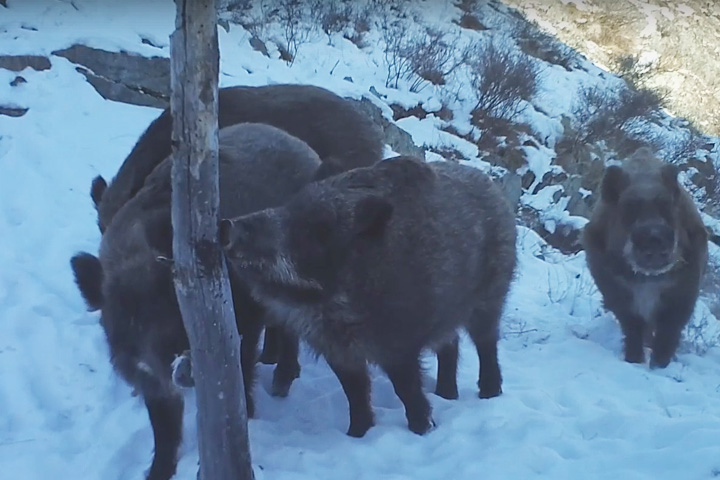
[
  {"x": 79, "y": 82},
  {"x": 667, "y": 43}
]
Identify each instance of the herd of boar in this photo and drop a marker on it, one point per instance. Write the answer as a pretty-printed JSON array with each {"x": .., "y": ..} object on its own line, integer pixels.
[{"x": 366, "y": 260}]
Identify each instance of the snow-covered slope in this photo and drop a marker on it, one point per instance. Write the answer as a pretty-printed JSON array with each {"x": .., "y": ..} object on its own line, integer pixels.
[{"x": 571, "y": 407}]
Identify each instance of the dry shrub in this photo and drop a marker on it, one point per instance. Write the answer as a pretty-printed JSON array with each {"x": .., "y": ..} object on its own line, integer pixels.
[{"x": 502, "y": 79}]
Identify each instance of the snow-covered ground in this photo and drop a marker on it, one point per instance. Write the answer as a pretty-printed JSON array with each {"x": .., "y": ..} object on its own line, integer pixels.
[{"x": 571, "y": 407}]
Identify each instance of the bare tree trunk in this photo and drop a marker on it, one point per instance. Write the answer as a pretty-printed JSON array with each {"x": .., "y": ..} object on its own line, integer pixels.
[{"x": 201, "y": 279}]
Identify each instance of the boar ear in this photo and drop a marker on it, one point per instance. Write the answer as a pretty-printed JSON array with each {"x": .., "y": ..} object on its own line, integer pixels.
[
  {"x": 224, "y": 232},
  {"x": 669, "y": 174},
  {"x": 89, "y": 278},
  {"x": 97, "y": 189},
  {"x": 372, "y": 215},
  {"x": 613, "y": 183}
]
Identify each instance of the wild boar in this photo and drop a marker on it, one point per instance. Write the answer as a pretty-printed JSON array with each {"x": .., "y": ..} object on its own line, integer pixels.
[
  {"x": 379, "y": 263},
  {"x": 131, "y": 281},
  {"x": 646, "y": 248}
]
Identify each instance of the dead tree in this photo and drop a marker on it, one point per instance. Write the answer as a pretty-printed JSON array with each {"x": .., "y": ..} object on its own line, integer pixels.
[{"x": 200, "y": 272}]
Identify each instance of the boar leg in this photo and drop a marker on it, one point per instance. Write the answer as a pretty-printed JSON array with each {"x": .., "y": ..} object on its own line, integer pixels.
[
  {"x": 484, "y": 333},
  {"x": 355, "y": 382},
  {"x": 670, "y": 322},
  {"x": 248, "y": 357},
  {"x": 407, "y": 382},
  {"x": 447, "y": 358},
  {"x": 271, "y": 346},
  {"x": 633, "y": 327},
  {"x": 249, "y": 320},
  {"x": 166, "y": 417},
  {"x": 288, "y": 368},
  {"x": 665, "y": 343}
]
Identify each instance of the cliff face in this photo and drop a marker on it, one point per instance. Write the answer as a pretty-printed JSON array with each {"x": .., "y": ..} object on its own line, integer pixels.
[{"x": 667, "y": 45}]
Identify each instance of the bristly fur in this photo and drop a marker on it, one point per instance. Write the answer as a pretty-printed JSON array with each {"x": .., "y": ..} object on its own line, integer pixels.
[
  {"x": 260, "y": 166},
  {"x": 404, "y": 253},
  {"x": 654, "y": 302},
  {"x": 328, "y": 123}
]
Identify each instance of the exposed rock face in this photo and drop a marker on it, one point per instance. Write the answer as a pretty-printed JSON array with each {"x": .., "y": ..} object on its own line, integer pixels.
[
  {"x": 398, "y": 139},
  {"x": 511, "y": 185},
  {"x": 12, "y": 111},
  {"x": 122, "y": 76},
  {"x": 17, "y": 63},
  {"x": 131, "y": 78}
]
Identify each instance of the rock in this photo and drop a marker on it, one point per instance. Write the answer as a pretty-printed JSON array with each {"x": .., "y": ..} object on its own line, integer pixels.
[
  {"x": 17, "y": 81},
  {"x": 400, "y": 112},
  {"x": 17, "y": 63},
  {"x": 527, "y": 179},
  {"x": 12, "y": 111},
  {"x": 511, "y": 158},
  {"x": 138, "y": 80},
  {"x": 470, "y": 22},
  {"x": 710, "y": 286},
  {"x": 580, "y": 204},
  {"x": 564, "y": 237},
  {"x": 123, "y": 76},
  {"x": 706, "y": 179},
  {"x": 259, "y": 45},
  {"x": 398, "y": 139},
  {"x": 511, "y": 185}
]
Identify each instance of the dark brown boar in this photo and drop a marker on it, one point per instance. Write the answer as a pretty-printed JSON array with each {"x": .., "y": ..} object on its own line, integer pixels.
[{"x": 646, "y": 248}]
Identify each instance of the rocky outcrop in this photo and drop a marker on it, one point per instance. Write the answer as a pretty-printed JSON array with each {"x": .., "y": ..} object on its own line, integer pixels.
[
  {"x": 123, "y": 76},
  {"x": 138, "y": 80},
  {"x": 511, "y": 185},
  {"x": 398, "y": 139},
  {"x": 18, "y": 63},
  {"x": 12, "y": 111}
]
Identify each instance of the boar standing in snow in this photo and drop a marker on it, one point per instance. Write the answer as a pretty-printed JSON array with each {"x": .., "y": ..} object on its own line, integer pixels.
[
  {"x": 131, "y": 281},
  {"x": 379, "y": 263},
  {"x": 330, "y": 124},
  {"x": 646, "y": 248}
]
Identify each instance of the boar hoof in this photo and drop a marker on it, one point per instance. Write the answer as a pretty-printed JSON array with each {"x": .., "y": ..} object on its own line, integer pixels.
[
  {"x": 635, "y": 357},
  {"x": 280, "y": 386},
  {"x": 269, "y": 356},
  {"x": 658, "y": 362},
  {"x": 449, "y": 393},
  {"x": 490, "y": 392},
  {"x": 358, "y": 429},
  {"x": 421, "y": 427}
]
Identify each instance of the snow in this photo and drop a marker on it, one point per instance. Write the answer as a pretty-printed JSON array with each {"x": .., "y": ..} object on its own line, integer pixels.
[{"x": 571, "y": 408}]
